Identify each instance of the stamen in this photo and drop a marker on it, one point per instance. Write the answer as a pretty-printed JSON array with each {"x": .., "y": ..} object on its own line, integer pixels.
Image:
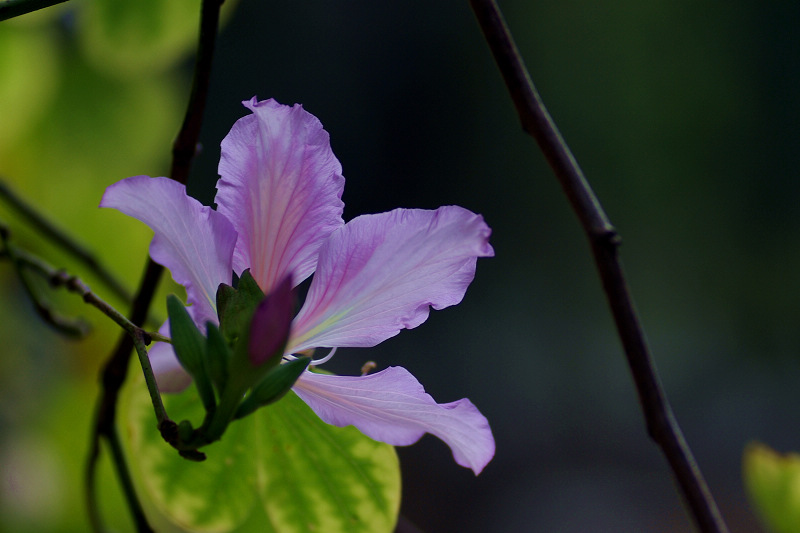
[
  {"x": 368, "y": 367},
  {"x": 317, "y": 362}
]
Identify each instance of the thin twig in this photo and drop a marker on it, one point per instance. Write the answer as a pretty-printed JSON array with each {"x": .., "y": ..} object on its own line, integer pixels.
[
  {"x": 56, "y": 278},
  {"x": 184, "y": 148},
  {"x": 71, "y": 327},
  {"x": 139, "y": 343},
  {"x": 604, "y": 241},
  {"x": 14, "y": 8},
  {"x": 49, "y": 230},
  {"x": 59, "y": 278}
]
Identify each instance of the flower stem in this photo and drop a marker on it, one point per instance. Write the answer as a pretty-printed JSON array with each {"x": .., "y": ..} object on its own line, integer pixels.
[
  {"x": 149, "y": 377},
  {"x": 58, "y": 278},
  {"x": 604, "y": 242},
  {"x": 228, "y": 404}
]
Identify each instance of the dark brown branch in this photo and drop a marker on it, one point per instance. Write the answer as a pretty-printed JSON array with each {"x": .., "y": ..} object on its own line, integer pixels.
[
  {"x": 14, "y": 8},
  {"x": 185, "y": 145},
  {"x": 115, "y": 370},
  {"x": 604, "y": 242}
]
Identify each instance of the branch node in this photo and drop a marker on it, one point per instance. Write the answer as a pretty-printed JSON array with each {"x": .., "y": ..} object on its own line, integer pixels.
[
  {"x": 169, "y": 431},
  {"x": 609, "y": 237}
]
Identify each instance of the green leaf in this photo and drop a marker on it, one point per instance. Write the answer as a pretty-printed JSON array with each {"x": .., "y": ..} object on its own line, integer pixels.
[
  {"x": 190, "y": 347},
  {"x": 279, "y": 470},
  {"x": 187, "y": 340},
  {"x": 772, "y": 481},
  {"x": 273, "y": 387}
]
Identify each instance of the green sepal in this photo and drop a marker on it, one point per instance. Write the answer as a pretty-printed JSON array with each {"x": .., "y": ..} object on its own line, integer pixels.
[
  {"x": 218, "y": 355},
  {"x": 225, "y": 293},
  {"x": 190, "y": 348},
  {"x": 235, "y": 307},
  {"x": 187, "y": 340},
  {"x": 273, "y": 387}
]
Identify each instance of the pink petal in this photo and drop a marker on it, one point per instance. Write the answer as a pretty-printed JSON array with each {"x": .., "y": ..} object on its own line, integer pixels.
[
  {"x": 380, "y": 273},
  {"x": 392, "y": 407},
  {"x": 281, "y": 187},
  {"x": 193, "y": 241}
]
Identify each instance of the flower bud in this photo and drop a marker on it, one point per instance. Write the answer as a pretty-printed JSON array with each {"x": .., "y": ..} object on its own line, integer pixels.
[{"x": 269, "y": 328}]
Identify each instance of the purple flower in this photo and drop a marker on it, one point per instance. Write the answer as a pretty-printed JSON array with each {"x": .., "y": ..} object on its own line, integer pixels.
[{"x": 279, "y": 214}]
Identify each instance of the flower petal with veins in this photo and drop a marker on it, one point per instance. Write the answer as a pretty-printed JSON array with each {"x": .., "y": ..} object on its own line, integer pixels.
[
  {"x": 192, "y": 240},
  {"x": 380, "y": 273},
  {"x": 391, "y": 406},
  {"x": 281, "y": 187}
]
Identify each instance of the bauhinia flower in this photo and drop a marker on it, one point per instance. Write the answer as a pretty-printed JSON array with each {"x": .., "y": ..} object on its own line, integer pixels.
[{"x": 279, "y": 215}]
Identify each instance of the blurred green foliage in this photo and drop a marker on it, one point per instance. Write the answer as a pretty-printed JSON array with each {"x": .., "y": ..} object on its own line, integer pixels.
[
  {"x": 773, "y": 483},
  {"x": 90, "y": 92}
]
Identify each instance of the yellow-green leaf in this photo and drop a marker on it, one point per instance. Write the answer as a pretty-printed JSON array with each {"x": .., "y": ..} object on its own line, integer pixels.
[
  {"x": 772, "y": 481},
  {"x": 278, "y": 470}
]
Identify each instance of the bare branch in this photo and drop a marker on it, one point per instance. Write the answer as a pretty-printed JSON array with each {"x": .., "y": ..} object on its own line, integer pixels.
[
  {"x": 604, "y": 242},
  {"x": 14, "y": 8},
  {"x": 22, "y": 262},
  {"x": 56, "y": 235}
]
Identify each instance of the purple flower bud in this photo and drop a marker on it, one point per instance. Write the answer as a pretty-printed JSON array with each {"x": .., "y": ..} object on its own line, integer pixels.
[{"x": 269, "y": 328}]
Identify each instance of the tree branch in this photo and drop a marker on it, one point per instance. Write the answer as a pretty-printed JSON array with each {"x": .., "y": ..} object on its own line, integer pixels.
[
  {"x": 14, "y": 8},
  {"x": 24, "y": 260},
  {"x": 185, "y": 146},
  {"x": 115, "y": 370},
  {"x": 21, "y": 261},
  {"x": 52, "y": 232},
  {"x": 604, "y": 242}
]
